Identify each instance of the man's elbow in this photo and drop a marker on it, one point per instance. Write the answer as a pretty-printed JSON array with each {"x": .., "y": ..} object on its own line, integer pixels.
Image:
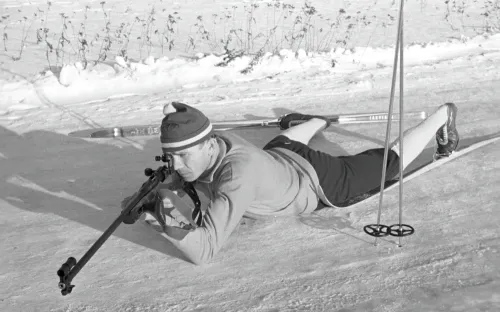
[
  {"x": 195, "y": 247},
  {"x": 200, "y": 258},
  {"x": 198, "y": 261}
]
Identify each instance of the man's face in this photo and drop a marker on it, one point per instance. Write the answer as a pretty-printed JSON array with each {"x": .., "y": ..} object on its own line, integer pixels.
[{"x": 191, "y": 162}]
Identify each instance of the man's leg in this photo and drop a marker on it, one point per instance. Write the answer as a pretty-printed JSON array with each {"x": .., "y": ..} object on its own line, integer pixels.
[
  {"x": 305, "y": 131},
  {"x": 417, "y": 138}
]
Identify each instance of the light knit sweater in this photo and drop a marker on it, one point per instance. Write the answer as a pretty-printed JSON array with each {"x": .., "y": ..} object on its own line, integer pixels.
[{"x": 247, "y": 180}]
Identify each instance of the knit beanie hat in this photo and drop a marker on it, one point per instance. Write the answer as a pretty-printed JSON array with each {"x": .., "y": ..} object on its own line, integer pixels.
[{"x": 183, "y": 126}]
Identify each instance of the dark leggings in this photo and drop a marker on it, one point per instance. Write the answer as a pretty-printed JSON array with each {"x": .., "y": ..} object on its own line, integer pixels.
[{"x": 343, "y": 177}]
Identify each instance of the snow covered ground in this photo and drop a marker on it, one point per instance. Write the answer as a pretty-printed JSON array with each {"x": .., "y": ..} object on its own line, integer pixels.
[{"x": 58, "y": 193}]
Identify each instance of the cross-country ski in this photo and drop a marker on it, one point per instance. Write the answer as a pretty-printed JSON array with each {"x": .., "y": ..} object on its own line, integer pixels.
[{"x": 145, "y": 130}]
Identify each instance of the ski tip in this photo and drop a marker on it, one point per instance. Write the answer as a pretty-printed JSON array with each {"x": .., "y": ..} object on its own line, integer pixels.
[
  {"x": 109, "y": 133},
  {"x": 87, "y": 133},
  {"x": 97, "y": 133}
]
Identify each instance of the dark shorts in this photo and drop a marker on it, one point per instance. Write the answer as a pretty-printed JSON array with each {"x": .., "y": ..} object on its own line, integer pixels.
[{"x": 343, "y": 177}]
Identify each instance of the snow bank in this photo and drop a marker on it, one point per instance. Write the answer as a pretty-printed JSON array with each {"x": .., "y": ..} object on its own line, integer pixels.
[{"x": 78, "y": 84}]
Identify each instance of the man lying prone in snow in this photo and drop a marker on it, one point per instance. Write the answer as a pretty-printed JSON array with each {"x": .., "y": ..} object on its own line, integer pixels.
[{"x": 286, "y": 177}]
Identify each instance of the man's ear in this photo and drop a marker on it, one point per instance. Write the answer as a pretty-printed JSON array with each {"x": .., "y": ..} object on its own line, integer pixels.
[{"x": 211, "y": 145}]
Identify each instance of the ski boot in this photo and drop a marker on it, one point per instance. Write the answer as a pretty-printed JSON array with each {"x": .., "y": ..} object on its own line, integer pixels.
[
  {"x": 447, "y": 136},
  {"x": 285, "y": 120}
]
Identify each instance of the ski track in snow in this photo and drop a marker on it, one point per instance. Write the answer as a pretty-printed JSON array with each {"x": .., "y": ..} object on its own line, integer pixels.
[{"x": 20, "y": 181}]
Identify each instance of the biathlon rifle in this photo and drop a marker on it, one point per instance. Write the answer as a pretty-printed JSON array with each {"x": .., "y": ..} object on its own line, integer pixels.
[{"x": 129, "y": 215}]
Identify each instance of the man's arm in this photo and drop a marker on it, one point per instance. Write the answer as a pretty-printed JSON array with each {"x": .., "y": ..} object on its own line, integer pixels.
[{"x": 234, "y": 191}]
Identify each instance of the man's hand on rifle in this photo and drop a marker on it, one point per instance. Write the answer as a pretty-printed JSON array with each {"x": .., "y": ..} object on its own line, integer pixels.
[
  {"x": 176, "y": 207},
  {"x": 166, "y": 209},
  {"x": 149, "y": 198},
  {"x": 163, "y": 207}
]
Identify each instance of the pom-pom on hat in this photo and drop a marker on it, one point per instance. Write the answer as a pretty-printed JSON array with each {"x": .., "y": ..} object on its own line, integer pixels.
[{"x": 183, "y": 126}]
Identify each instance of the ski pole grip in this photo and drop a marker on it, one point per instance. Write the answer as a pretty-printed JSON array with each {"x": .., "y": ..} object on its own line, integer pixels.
[{"x": 296, "y": 122}]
